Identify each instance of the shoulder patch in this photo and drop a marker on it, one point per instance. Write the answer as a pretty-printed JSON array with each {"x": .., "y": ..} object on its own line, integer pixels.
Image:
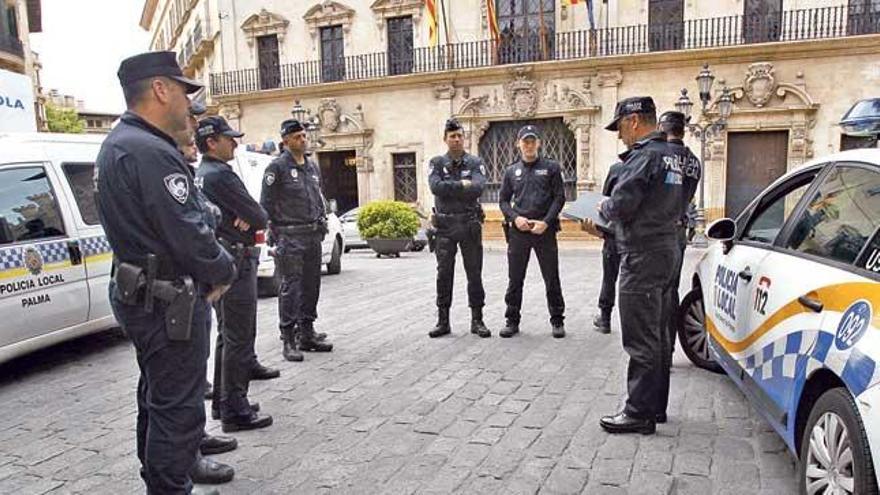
[
  {"x": 269, "y": 179},
  {"x": 177, "y": 187}
]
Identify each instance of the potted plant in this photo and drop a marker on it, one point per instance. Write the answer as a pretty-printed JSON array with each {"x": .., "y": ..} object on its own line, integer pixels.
[{"x": 388, "y": 226}]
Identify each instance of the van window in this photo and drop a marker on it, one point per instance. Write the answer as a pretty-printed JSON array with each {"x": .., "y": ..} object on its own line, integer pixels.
[
  {"x": 82, "y": 180},
  {"x": 28, "y": 207}
]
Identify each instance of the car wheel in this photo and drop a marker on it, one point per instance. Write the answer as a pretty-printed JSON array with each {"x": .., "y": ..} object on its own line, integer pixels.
[
  {"x": 692, "y": 333},
  {"x": 835, "y": 456},
  {"x": 335, "y": 265},
  {"x": 269, "y": 286}
]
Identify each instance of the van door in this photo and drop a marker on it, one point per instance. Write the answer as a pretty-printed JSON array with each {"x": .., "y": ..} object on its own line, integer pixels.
[
  {"x": 42, "y": 277},
  {"x": 96, "y": 254}
]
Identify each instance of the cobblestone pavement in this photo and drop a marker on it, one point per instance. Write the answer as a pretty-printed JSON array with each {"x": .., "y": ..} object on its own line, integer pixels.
[{"x": 391, "y": 411}]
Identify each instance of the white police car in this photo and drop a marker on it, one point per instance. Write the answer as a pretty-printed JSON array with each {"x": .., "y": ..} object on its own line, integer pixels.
[{"x": 788, "y": 305}]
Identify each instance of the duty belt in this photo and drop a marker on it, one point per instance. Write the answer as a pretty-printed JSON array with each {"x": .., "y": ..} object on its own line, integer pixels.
[
  {"x": 306, "y": 228},
  {"x": 458, "y": 217},
  {"x": 239, "y": 250}
]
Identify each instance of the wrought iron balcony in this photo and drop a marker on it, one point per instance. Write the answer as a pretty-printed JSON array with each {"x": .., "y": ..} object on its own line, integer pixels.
[
  {"x": 11, "y": 45},
  {"x": 717, "y": 32}
]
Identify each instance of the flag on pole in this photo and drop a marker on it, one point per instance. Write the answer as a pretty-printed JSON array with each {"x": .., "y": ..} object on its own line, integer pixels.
[
  {"x": 493, "y": 20},
  {"x": 433, "y": 32},
  {"x": 570, "y": 2}
]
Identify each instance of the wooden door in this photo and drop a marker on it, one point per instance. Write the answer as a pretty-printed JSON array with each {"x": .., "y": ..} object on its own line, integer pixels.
[
  {"x": 754, "y": 160},
  {"x": 267, "y": 52}
]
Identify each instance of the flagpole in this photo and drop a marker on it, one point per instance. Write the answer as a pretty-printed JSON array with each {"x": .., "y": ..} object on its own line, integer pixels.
[{"x": 446, "y": 30}]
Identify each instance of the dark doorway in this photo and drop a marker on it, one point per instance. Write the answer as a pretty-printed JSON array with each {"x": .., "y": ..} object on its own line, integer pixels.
[
  {"x": 665, "y": 24},
  {"x": 339, "y": 176},
  {"x": 762, "y": 21},
  {"x": 332, "y": 54},
  {"x": 267, "y": 52},
  {"x": 754, "y": 160},
  {"x": 400, "y": 45},
  {"x": 528, "y": 30}
]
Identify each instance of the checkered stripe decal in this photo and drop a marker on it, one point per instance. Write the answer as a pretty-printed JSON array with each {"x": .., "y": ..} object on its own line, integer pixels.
[
  {"x": 798, "y": 354},
  {"x": 10, "y": 258},
  {"x": 53, "y": 252},
  {"x": 94, "y": 245}
]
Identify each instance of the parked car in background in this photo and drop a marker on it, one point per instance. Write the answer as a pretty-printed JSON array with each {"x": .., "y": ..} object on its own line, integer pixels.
[
  {"x": 353, "y": 239},
  {"x": 250, "y": 167}
]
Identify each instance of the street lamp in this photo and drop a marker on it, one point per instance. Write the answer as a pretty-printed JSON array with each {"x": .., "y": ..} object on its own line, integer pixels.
[
  {"x": 310, "y": 122},
  {"x": 704, "y": 130}
]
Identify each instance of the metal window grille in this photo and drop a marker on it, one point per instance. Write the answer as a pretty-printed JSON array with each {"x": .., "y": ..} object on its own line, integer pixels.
[
  {"x": 498, "y": 149},
  {"x": 405, "y": 183}
]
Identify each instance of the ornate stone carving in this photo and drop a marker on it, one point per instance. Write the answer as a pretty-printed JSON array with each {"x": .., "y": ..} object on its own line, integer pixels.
[
  {"x": 522, "y": 94},
  {"x": 609, "y": 79},
  {"x": 760, "y": 83},
  {"x": 230, "y": 112},
  {"x": 328, "y": 13},
  {"x": 265, "y": 23},
  {"x": 444, "y": 91},
  {"x": 329, "y": 112}
]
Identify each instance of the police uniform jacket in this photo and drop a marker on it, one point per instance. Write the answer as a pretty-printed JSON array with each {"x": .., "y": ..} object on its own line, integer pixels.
[
  {"x": 533, "y": 190},
  {"x": 646, "y": 202},
  {"x": 224, "y": 188},
  {"x": 611, "y": 178},
  {"x": 148, "y": 204},
  {"x": 691, "y": 171},
  {"x": 291, "y": 192},
  {"x": 445, "y": 176}
]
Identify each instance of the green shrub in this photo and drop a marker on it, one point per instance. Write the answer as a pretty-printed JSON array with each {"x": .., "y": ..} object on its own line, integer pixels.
[{"x": 387, "y": 220}]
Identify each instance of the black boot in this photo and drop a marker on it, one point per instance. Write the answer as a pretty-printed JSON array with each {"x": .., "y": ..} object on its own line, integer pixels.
[
  {"x": 443, "y": 327},
  {"x": 477, "y": 325},
  {"x": 291, "y": 352},
  {"x": 210, "y": 472},
  {"x": 309, "y": 342},
  {"x": 602, "y": 321},
  {"x": 260, "y": 372},
  {"x": 511, "y": 329},
  {"x": 216, "y": 444}
]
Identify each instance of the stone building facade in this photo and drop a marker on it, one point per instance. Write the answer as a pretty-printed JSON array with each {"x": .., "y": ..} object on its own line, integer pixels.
[{"x": 378, "y": 93}]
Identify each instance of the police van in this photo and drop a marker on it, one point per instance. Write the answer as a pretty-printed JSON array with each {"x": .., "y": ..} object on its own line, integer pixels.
[
  {"x": 788, "y": 305},
  {"x": 54, "y": 257}
]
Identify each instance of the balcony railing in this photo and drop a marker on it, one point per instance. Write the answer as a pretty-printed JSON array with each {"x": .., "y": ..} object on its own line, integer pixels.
[
  {"x": 787, "y": 26},
  {"x": 11, "y": 45}
]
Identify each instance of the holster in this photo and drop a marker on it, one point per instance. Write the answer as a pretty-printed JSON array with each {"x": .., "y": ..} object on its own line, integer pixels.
[
  {"x": 130, "y": 282},
  {"x": 431, "y": 233},
  {"x": 181, "y": 298}
]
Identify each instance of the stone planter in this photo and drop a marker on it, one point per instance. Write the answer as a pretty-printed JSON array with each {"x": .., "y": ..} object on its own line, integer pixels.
[{"x": 389, "y": 247}]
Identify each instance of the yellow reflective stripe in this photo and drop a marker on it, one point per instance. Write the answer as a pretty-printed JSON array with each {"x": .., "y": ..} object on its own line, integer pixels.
[
  {"x": 96, "y": 258},
  {"x": 23, "y": 272},
  {"x": 836, "y": 297}
]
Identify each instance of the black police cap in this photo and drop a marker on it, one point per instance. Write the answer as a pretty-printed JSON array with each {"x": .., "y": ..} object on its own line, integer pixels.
[
  {"x": 213, "y": 126},
  {"x": 291, "y": 125},
  {"x": 629, "y": 106},
  {"x": 672, "y": 117},
  {"x": 527, "y": 131},
  {"x": 452, "y": 125},
  {"x": 154, "y": 64}
]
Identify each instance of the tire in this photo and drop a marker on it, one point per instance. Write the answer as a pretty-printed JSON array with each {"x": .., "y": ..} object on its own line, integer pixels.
[
  {"x": 269, "y": 287},
  {"x": 335, "y": 264},
  {"x": 835, "y": 418},
  {"x": 692, "y": 333}
]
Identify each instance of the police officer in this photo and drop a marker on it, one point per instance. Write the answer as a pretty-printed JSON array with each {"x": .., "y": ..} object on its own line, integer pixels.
[
  {"x": 292, "y": 197},
  {"x": 237, "y": 309},
  {"x": 167, "y": 264},
  {"x": 457, "y": 179},
  {"x": 672, "y": 124},
  {"x": 645, "y": 206},
  {"x": 610, "y": 262},
  {"x": 531, "y": 197}
]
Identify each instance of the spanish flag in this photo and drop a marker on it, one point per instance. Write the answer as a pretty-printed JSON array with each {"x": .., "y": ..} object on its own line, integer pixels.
[
  {"x": 433, "y": 32},
  {"x": 570, "y": 2},
  {"x": 493, "y": 20}
]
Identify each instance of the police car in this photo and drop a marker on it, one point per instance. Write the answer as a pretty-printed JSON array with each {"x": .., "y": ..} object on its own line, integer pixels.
[
  {"x": 54, "y": 258},
  {"x": 250, "y": 167},
  {"x": 788, "y": 305}
]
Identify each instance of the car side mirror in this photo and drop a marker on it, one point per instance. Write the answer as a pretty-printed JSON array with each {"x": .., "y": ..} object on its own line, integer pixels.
[
  {"x": 723, "y": 230},
  {"x": 333, "y": 206}
]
